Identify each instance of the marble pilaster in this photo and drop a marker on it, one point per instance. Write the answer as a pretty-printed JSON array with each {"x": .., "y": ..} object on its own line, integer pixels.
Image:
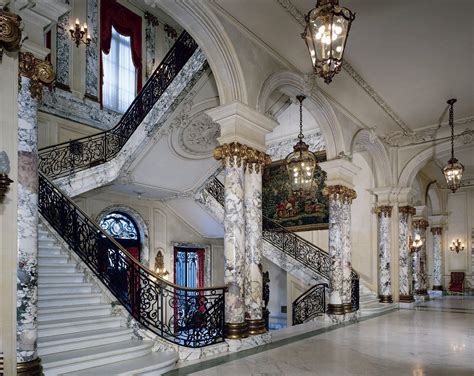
[
  {"x": 253, "y": 247},
  {"x": 27, "y": 274},
  {"x": 63, "y": 52},
  {"x": 384, "y": 214},
  {"x": 419, "y": 258},
  {"x": 437, "y": 258},
  {"x": 340, "y": 199},
  {"x": 92, "y": 51},
  {"x": 405, "y": 269}
]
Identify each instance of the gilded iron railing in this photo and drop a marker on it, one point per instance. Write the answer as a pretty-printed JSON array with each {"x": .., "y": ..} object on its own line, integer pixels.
[
  {"x": 310, "y": 304},
  {"x": 72, "y": 156},
  {"x": 308, "y": 254},
  {"x": 185, "y": 316}
]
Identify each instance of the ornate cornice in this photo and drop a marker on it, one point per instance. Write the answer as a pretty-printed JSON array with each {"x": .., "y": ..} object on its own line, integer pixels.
[
  {"x": 299, "y": 17},
  {"x": 40, "y": 72},
  {"x": 10, "y": 32},
  {"x": 236, "y": 154},
  {"x": 384, "y": 210},
  {"x": 408, "y": 210},
  {"x": 340, "y": 193},
  {"x": 422, "y": 224},
  {"x": 437, "y": 230}
]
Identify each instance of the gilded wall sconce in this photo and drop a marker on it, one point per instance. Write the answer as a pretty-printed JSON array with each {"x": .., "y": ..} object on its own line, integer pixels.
[{"x": 160, "y": 264}]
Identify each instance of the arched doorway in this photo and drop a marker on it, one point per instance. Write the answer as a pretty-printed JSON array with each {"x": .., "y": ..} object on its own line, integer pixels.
[{"x": 124, "y": 230}]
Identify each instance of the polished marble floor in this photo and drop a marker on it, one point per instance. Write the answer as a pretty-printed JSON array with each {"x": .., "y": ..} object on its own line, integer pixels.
[{"x": 433, "y": 338}]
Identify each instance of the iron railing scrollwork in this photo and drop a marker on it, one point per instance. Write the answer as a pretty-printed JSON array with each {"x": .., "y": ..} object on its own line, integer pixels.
[
  {"x": 310, "y": 304},
  {"x": 80, "y": 154},
  {"x": 310, "y": 255},
  {"x": 185, "y": 316}
]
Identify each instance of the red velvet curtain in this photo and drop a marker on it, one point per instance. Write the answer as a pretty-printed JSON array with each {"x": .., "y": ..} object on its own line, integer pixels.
[
  {"x": 200, "y": 273},
  {"x": 126, "y": 23}
]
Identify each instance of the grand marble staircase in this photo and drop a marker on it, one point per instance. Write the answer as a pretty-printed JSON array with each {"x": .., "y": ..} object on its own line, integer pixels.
[{"x": 77, "y": 332}]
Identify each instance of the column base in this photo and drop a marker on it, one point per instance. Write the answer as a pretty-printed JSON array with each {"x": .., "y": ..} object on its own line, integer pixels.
[
  {"x": 348, "y": 307},
  {"x": 406, "y": 298},
  {"x": 422, "y": 292},
  {"x": 256, "y": 326},
  {"x": 236, "y": 330},
  {"x": 385, "y": 299},
  {"x": 438, "y": 288},
  {"x": 335, "y": 309},
  {"x": 31, "y": 368}
]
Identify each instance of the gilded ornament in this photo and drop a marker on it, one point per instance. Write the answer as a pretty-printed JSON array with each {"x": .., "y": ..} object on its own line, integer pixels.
[
  {"x": 340, "y": 192},
  {"x": 10, "y": 32},
  {"x": 409, "y": 210},
  {"x": 236, "y": 153},
  {"x": 422, "y": 224},
  {"x": 436, "y": 230},
  {"x": 40, "y": 72},
  {"x": 384, "y": 210}
]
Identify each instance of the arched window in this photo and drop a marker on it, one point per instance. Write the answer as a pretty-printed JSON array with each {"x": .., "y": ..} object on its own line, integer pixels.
[{"x": 123, "y": 229}]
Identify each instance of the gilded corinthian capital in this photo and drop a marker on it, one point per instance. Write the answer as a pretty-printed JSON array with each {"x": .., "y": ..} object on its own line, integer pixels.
[
  {"x": 40, "y": 72},
  {"x": 340, "y": 192},
  {"x": 239, "y": 154},
  {"x": 10, "y": 32}
]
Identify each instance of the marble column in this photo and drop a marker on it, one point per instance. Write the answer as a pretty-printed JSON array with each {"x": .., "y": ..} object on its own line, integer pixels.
[
  {"x": 234, "y": 158},
  {"x": 405, "y": 281},
  {"x": 384, "y": 215},
  {"x": 340, "y": 199},
  {"x": 437, "y": 258},
  {"x": 419, "y": 228},
  {"x": 33, "y": 73},
  {"x": 253, "y": 246}
]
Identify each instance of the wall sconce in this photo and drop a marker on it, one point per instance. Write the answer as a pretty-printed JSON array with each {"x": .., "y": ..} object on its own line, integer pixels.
[
  {"x": 78, "y": 32},
  {"x": 415, "y": 244},
  {"x": 160, "y": 264},
  {"x": 457, "y": 246},
  {"x": 5, "y": 181}
]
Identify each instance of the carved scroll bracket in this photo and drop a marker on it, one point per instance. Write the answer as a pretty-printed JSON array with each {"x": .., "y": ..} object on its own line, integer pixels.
[
  {"x": 40, "y": 72},
  {"x": 10, "y": 32}
]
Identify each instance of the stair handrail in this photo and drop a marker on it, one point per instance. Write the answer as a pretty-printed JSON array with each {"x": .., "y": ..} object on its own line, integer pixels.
[
  {"x": 159, "y": 305},
  {"x": 309, "y": 304},
  {"x": 68, "y": 157}
]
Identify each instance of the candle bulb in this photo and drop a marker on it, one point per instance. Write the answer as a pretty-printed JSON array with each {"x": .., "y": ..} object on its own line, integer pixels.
[
  {"x": 77, "y": 21},
  {"x": 85, "y": 26}
]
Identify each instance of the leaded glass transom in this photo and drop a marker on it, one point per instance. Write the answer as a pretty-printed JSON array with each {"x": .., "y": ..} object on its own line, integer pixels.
[{"x": 119, "y": 226}]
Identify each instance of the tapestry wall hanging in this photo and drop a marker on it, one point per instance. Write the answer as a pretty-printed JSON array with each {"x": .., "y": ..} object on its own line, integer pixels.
[{"x": 306, "y": 213}]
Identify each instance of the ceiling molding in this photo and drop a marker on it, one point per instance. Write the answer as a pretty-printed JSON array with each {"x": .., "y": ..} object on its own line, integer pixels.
[{"x": 288, "y": 6}]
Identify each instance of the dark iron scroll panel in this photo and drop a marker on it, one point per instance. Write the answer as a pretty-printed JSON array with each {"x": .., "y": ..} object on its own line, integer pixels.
[
  {"x": 310, "y": 304},
  {"x": 72, "y": 156},
  {"x": 187, "y": 317}
]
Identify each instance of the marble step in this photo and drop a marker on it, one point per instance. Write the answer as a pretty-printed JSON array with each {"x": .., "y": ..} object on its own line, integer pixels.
[
  {"x": 76, "y": 360},
  {"x": 66, "y": 299},
  {"x": 42, "y": 243},
  {"x": 49, "y": 251},
  {"x": 76, "y": 341},
  {"x": 73, "y": 311},
  {"x": 61, "y": 277},
  {"x": 76, "y": 325},
  {"x": 155, "y": 363},
  {"x": 47, "y": 259},
  {"x": 56, "y": 268},
  {"x": 63, "y": 288}
]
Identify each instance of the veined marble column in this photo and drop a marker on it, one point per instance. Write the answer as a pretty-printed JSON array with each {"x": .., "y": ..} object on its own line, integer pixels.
[
  {"x": 33, "y": 73},
  {"x": 340, "y": 199},
  {"x": 254, "y": 245},
  {"x": 437, "y": 258},
  {"x": 234, "y": 158},
  {"x": 405, "y": 281},
  {"x": 419, "y": 228},
  {"x": 384, "y": 214}
]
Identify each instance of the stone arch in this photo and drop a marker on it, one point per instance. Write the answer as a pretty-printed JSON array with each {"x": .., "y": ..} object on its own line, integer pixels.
[
  {"x": 200, "y": 21},
  {"x": 416, "y": 163},
  {"x": 142, "y": 226},
  {"x": 292, "y": 84},
  {"x": 370, "y": 142},
  {"x": 432, "y": 191}
]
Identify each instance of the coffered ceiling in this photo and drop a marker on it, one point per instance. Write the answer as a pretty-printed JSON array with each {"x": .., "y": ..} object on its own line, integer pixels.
[{"x": 406, "y": 58}]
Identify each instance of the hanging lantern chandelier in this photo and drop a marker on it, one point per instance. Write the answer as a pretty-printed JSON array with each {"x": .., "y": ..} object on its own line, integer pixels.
[
  {"x": 301, "y": 163},
  {"x": 326, "y": 33},
  {"x": 453, "y": 170}
]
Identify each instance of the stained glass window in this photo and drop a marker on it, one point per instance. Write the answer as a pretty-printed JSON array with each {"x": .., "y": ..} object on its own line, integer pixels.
[{"x": 119, "y": 226}]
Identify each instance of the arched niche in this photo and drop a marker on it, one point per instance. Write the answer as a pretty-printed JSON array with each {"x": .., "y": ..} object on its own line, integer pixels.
[{"x": 140, "y": 222}]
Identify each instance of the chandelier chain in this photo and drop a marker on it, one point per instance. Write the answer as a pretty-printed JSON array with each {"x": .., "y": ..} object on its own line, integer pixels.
[
  {"x": 301, "y": 98},
  {"x": 451, "y": 124}
]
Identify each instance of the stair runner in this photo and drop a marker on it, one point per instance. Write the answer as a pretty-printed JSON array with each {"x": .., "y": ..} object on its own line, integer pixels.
[{"x": 77, "y": 332}]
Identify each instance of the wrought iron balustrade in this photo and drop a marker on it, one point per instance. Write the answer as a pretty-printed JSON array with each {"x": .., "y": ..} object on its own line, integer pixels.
[
  {"x": 355, "y": 281},
  {"x": 310, "y": 304},
  {"x": 72, "y": 156},
  {"x": 185, "y": 316}
]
